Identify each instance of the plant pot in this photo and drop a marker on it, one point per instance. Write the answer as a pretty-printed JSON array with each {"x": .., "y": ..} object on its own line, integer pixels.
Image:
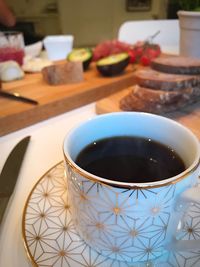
[{"x": 189, "y": 23}]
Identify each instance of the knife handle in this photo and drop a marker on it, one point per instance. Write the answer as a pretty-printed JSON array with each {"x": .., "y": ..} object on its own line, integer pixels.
[{"x": 3, "y": 205}]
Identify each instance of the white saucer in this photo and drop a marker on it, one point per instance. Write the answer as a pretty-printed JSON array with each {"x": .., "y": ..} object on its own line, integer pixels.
[{"x": 51, "y": 239}]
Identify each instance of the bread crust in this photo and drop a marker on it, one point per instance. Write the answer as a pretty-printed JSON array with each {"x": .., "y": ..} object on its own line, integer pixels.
[
  {"x": 177, "y": 65},
  {"x": 158, "y": 101},
  {"x": 164, "y": 81}
]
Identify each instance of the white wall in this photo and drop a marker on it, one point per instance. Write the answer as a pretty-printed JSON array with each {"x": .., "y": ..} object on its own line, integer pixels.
[
  {"x": 92, "y": 21},
  {"x": 29, "y": 7}
]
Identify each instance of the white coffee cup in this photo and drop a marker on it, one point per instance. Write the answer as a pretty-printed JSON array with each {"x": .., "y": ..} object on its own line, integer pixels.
[
  {"x": 131, "y": 221},
  {"x": 58, "y": 46}
]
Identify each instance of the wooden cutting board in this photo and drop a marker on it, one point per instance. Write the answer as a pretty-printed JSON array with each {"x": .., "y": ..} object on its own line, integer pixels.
[
  {"x": 54, "y": 100},
  {"x": 188, "y": 116}
]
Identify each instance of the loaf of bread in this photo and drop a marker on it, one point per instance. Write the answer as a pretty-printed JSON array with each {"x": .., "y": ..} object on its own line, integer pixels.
[
  {"x": 65, "y": 73},
  {"x": 158, "y": 101},
  {"x": 168, "y": 85},
  {"x": 177, "y": 65},
  {"x": 164, "y": 81}
]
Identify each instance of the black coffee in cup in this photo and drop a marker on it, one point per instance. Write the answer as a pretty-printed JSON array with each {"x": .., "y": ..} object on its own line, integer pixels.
[{"x": 130, "y": 159}]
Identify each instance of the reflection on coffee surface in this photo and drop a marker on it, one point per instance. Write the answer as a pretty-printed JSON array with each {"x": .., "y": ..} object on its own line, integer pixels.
[{"x": 130, "y": 159}]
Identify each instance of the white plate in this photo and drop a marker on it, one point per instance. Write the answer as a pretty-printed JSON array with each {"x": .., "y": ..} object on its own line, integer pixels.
[
  {"x": 33, "y": 50},
  {"x": 51, "y": 239}
]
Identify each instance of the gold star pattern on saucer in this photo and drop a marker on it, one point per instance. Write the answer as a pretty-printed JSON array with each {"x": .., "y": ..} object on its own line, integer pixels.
[{"x": 51, "y": 239}]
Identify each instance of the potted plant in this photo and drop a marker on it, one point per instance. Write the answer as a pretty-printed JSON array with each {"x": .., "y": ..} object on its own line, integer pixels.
[
  {"x": 189, "y": 23},
  {"x": 189, "y": 5}
]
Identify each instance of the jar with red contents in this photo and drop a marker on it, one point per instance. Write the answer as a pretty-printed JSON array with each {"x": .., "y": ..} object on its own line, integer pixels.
[{"x": 12, "y": 46}]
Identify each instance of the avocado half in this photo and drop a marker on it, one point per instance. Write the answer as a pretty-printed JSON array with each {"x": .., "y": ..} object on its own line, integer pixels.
[
  {"x": 81, "y": 54},
  {"x": 113, "y": 64}
]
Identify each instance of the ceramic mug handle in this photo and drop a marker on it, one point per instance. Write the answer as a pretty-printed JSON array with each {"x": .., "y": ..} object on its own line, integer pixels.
[{"x": 191, "y": 195}]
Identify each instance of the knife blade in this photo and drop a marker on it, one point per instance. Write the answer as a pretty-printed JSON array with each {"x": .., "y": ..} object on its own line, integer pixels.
[
  {"x": 18, "y": 97},
  {"x": 10, "y": 171}
]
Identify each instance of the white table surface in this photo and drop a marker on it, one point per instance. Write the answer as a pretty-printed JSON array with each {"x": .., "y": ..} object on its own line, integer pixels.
[{"x": 44, "y": 151}]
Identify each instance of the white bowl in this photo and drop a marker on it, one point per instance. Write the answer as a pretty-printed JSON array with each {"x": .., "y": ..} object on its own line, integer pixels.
[
  {"x": 33, "y": 50},
  {"x": 58, "y": 46}
]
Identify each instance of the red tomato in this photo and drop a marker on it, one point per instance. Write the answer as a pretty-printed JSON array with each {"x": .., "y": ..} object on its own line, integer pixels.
[
  {"x": 109, "y": 47},
  {"x": 132, "y": 56},
  {"x": 145, "y": 60},
  {"x": 139, "y": 51},
  {"x": 152, "y": 53}
]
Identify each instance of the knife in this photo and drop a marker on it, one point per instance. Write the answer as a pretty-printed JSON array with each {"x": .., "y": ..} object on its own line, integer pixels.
[
  {"x": 9, "y": 173},
  {"x": 17, "y": 96}
]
